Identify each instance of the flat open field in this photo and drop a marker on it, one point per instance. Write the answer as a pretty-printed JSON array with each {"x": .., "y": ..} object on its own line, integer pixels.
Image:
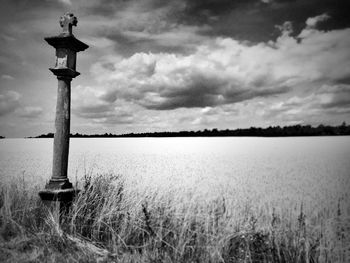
[{"x": 185, "y": 199}]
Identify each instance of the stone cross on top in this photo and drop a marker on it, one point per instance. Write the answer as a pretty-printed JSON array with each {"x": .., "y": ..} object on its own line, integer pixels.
[{"x": 67, "y": 21}]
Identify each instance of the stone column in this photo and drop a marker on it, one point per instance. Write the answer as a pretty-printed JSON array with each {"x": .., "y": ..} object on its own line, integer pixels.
[
  {"x": 59, "y": 188},
  {"x": 62, "y": 130}
]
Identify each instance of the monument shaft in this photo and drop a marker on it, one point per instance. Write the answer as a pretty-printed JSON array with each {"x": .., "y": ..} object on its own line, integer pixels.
[{"x": 62, "y": 129}]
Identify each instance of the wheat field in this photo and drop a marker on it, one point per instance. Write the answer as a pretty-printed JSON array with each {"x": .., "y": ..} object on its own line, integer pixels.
[{"x": 217, "y": 213}]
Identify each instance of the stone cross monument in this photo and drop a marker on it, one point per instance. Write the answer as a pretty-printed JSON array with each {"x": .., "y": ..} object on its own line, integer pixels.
[{"x": 59, "y": 188}]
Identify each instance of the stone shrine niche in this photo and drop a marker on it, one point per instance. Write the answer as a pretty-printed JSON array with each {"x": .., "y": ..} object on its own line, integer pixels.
[{"x": 65, "y": 58}]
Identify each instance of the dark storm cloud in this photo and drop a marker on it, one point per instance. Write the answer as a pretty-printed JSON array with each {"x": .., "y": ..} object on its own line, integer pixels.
[
  {"x": 204, "y": 91},
  {"x": 255, "y": 21},
  {"x": 138, "y": 23},
  {"x": 206, "y": 8},
  {"x": 345, "y": 80}
]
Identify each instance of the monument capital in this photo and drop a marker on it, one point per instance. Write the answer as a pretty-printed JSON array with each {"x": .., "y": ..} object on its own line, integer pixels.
[{"x": 67, "y": 47}]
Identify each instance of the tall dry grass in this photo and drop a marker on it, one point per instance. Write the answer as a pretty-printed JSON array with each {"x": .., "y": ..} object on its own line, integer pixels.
[{"x": 108, "y": 223}]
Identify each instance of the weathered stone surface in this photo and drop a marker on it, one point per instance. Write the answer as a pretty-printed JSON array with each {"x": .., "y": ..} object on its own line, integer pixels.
[
  {"x": 59, "y": 188},
  {"x": 64, "y": 73},
  {"x": 61, "y": 195},
  {"x": 67, "y": 21},
  {"x": 62, "y": 129},
  {"x": 69, "y": 42}
]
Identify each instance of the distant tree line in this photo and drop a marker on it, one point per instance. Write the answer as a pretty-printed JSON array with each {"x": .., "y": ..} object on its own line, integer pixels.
[
  {"x": 2, "y": 137},
  {"x": 275, "y": 131}
]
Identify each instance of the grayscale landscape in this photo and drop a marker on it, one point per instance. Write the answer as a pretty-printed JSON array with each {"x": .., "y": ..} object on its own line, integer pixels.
[{"x": 175, "y": 131}]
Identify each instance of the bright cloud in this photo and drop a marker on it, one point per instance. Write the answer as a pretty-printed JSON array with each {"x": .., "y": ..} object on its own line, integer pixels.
[
  {"x": 225, "y": 71},
  {"x": 313, "y": 21}
]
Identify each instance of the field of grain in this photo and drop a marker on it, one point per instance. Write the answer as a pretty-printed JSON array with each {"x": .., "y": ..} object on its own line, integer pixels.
[{"x": 244, "y": 200}]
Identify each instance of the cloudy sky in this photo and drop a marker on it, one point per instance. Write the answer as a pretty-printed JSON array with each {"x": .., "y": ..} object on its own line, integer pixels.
[{"x": 156, "y": 65}]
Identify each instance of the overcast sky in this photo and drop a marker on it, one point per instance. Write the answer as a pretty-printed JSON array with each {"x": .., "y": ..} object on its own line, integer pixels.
[{"x": 156, "y": 65}]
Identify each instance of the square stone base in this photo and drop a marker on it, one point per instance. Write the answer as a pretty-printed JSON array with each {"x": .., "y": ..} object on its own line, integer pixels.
[{"x": 58, "y": 190}]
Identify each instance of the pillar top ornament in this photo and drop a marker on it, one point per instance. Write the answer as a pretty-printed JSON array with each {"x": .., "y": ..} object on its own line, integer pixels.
[
  {"x": 67, "y": 21},
  {"x": 66, "y": 46}
]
